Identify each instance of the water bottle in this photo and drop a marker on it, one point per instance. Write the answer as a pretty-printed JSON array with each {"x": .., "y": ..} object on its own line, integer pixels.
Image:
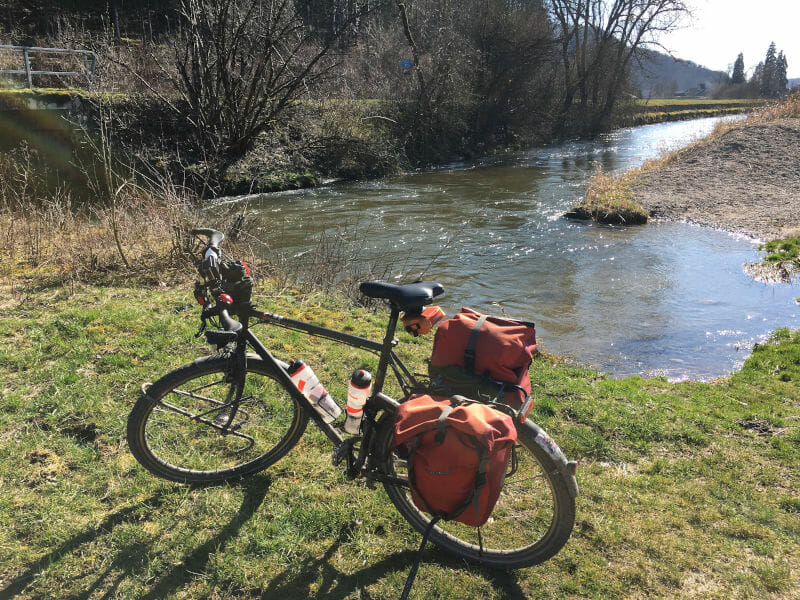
[
  {"x": 357, "y": 394},
  {"x": 308, "y": 383}
]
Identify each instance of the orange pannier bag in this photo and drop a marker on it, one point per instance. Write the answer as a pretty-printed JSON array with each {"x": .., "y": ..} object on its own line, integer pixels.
[
  {"x": 457, "y": 455},
  {"x": 483, "y": 356}
]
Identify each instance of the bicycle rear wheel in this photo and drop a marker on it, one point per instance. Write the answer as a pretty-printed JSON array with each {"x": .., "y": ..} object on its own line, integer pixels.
[
  {"x": 185, "y": 427},
  {"x": 532, "y": 520}
]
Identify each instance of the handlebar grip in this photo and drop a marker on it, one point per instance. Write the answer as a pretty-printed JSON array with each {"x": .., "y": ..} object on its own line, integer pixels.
[
  {"x": 227, "y": 322},
  {"x": 214, "y": 236}
]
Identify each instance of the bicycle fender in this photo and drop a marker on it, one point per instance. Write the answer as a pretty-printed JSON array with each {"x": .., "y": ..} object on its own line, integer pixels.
[
  {"x": 250, "y": 356},
  {"x": 565, "y": 467}
]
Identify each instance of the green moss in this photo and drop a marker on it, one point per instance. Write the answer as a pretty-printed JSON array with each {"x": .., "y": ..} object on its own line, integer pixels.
[
  {"x": 237, "y": 184},
  {"x": 610, "y": 212}
]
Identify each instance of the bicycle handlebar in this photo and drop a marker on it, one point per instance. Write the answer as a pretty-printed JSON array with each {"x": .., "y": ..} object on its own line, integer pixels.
[
  {"x": 228, "y": 323},
  {"x": 214, "y": 236}
]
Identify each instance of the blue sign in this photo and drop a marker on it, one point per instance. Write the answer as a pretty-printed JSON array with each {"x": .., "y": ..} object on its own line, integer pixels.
[{"x": 406, "y": 63}]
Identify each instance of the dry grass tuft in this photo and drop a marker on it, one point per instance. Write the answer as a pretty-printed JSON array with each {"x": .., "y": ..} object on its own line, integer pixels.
[
  {"x": 50, "y": 238},
  {"x": 609, "y": 200},
  {"x": 788, "y": 107},
  {"x": 136, "y": 230}
]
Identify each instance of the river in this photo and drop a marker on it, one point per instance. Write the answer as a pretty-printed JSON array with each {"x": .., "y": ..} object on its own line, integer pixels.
[{"x": 663, "y": 299}]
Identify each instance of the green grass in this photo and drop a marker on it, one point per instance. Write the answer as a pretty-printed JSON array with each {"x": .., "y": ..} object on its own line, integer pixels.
[
  {"x": 58, "y": 94},
  {"x": 783, "y": 250},
  {"x": 689, "y": 490},
  {"x": 781, "y": 261},
  {"x": 659, "y": 102}
]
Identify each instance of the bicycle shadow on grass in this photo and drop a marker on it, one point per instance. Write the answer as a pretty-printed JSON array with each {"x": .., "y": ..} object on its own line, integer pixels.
[
  {"x": 333, "y": 584},
  {"x": 124, "y": 515},
  {"x": 128, "y": 562}
]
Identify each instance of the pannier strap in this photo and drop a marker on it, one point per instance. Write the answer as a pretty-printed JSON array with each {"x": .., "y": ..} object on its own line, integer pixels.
[
  {"x": 469, "y": 352},
  {"x": 473, "y": 499},
  {"x": 441, "y": 425}
]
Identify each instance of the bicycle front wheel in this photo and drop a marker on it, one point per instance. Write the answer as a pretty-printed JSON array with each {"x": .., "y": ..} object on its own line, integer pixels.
[
  {"x": 532, "y": 520},
  {"x": 189, "y": 428}
]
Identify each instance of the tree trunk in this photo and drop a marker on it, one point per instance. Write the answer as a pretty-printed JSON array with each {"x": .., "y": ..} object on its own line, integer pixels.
[{"x": 113, "y": 9}]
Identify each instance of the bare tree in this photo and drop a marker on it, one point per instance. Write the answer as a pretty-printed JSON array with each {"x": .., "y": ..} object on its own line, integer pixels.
[
  {"x": 599, "y": 39},
  {"x": 513, "y": 47},
  {"x": 239, "y": 64}
]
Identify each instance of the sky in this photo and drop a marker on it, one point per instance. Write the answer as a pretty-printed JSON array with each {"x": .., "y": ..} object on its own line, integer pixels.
[{"x": 720, "y": 29}]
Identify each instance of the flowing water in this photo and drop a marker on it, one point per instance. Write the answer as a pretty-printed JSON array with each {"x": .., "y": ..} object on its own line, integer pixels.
[{"x": 666, "y": 298}]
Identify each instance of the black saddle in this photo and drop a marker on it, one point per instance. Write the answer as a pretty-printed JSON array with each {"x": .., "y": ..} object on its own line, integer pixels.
[{"x": 408, "y": 296}]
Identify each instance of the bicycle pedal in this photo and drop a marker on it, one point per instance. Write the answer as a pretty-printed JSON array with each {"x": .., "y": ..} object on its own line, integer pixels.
[
  {"x": 223, "y": 420},
  {"x": 343, "y": 450}
]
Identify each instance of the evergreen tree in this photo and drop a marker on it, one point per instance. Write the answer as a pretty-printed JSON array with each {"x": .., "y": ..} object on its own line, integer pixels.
[
  {"x": 781, "y": 78},
  {"x": 768, "y": 83},
  {"x": 758, "y": 75},
  {"x": 738, "y": 70}
]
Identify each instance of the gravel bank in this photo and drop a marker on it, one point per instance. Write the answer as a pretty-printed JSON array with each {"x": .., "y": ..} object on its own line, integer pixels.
[{"x": 746, "y": 180}]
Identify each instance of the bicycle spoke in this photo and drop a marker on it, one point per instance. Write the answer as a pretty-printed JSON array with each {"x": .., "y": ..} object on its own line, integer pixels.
[
  {"x": 201, "y": 425},
  {"x": 524, "y": 509}
]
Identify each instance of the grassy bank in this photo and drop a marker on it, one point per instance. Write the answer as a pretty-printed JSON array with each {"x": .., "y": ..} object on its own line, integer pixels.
[
  {"x": 781, "y": 261},
  {"x": 688, "y": 489},
  {"x": 661, "y": 110},
  {"x": 684, "y": 103},
  {"x": 666, "y": 116}
]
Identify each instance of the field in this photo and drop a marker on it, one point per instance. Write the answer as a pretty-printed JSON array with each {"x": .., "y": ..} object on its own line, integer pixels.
[
  {"x": 689, "y": 490},
  {"x": 696, "y": 102},
  {"x": 660, "y": 110}
]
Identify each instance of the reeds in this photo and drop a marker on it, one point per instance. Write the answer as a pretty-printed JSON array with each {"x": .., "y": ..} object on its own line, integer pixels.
[{"x": 48, "y": 236}]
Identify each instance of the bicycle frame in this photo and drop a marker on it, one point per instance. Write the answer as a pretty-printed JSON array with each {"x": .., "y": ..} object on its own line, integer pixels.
[{"x": 377, "y": 400}]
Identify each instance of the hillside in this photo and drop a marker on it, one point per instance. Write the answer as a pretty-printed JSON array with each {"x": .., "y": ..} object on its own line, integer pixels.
[{"x": 658, "y": 75}]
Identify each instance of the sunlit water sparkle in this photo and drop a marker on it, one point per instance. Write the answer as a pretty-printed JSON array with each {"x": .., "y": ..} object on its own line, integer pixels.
[{"x": 666, "y": 298}]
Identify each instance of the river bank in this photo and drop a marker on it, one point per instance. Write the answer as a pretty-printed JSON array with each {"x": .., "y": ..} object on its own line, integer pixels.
[
  {"x": 688, "y": 490},
  {"x": 743, "y": 178},
  {"x": 746, "y": 179},
  {"x": 318, "y": 141},
  {"x": 663, "y": 110}
]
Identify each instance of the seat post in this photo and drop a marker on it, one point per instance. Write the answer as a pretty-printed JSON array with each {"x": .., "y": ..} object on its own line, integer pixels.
[{"x": 386, "y": 351}]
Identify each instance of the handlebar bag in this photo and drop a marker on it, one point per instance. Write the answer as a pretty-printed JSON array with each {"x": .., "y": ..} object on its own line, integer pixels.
[
  {"x": 457, "y": 455},
  {"x": 483, "y": 357},
  {"x": 236, "y": 280}
]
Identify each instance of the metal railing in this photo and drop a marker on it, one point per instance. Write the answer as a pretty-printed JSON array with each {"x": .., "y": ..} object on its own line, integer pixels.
[{"x": 89, "y": 62}]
